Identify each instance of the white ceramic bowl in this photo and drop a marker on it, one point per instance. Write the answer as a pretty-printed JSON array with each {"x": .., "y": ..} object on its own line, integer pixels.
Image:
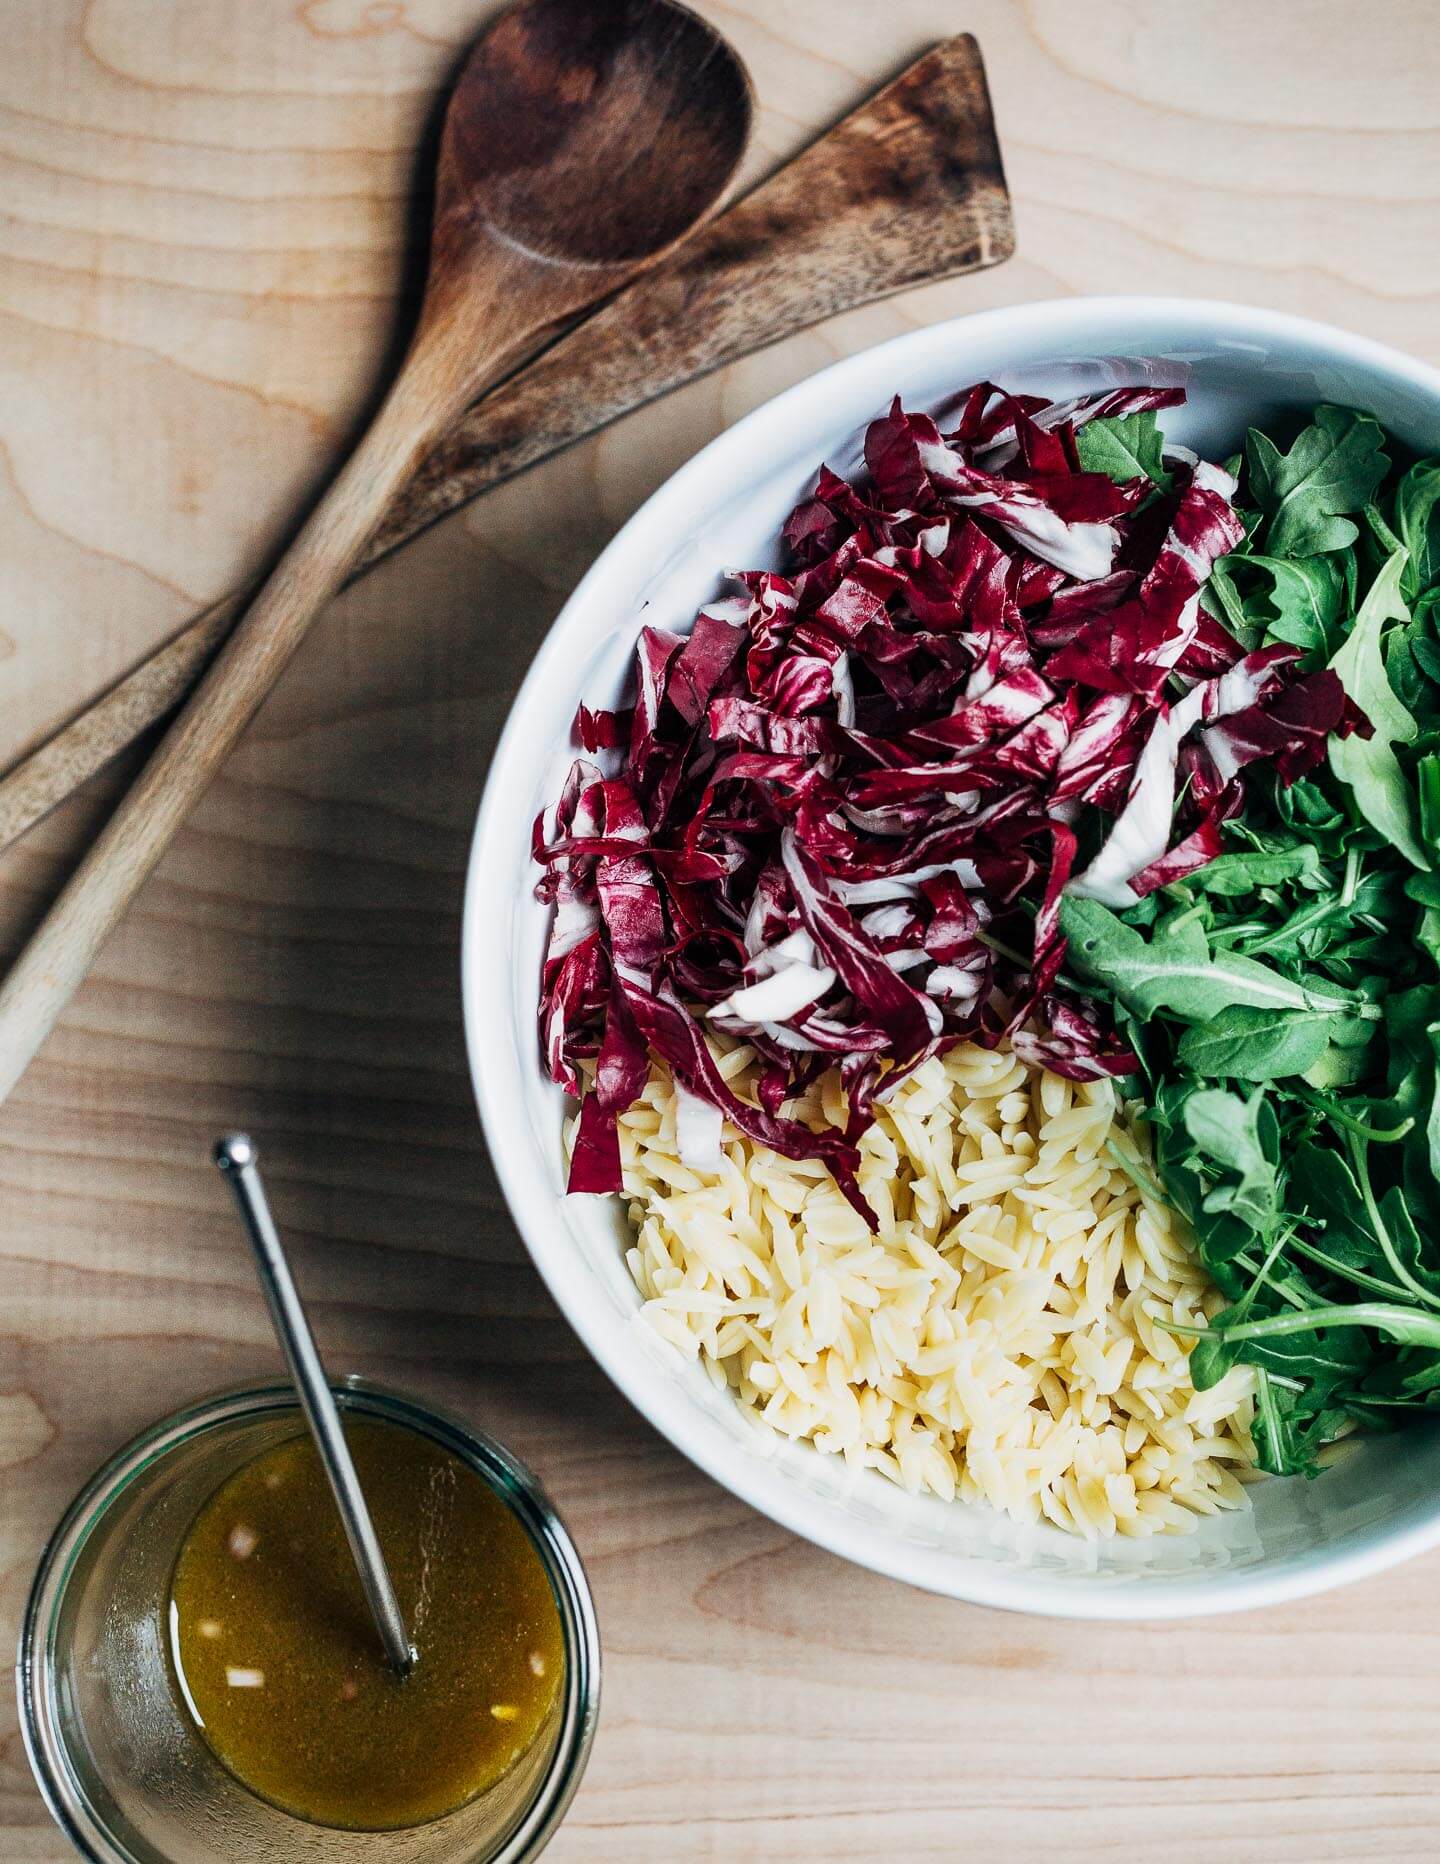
[{"x": 1381, "y": 1503}]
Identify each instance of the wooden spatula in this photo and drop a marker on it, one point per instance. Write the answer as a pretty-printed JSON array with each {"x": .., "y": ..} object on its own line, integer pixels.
[{"x": 907, "y": 190}]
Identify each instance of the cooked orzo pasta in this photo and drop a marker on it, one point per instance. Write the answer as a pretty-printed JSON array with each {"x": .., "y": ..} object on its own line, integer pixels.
[{"x": 1001, "y": 1338}]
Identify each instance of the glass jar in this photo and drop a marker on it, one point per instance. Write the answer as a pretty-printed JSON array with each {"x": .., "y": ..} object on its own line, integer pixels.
[{"x": 118, "y": 1760}]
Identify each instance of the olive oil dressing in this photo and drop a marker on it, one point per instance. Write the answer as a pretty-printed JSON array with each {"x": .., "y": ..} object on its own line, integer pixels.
[{"x": 278, "y": 1662}]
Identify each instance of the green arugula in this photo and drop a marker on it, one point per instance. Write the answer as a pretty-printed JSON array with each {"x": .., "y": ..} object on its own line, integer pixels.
[
  {"x": 1286, "y": 997},
  {"x": 1124, "y": 447},
  {"x": 1256, "y": 1045},
  {"x": 1176, "y": 970},
  {"x": 1267, "y": 599},
  {"x": 1417, "y": 522},
  {"x": 1335, "y": 467},
  {"x": 1382, "y": 794},
  {"x": 1232, "y": 875},
  {"x": 1239, "y": 1142}
]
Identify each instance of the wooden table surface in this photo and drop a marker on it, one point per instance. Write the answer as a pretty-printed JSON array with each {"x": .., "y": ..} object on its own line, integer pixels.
[{"x": 203, "y": 229}]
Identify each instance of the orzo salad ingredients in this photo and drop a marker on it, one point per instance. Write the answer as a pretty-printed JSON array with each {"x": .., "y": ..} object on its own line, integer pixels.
[{"x": 1050, "y": 742}]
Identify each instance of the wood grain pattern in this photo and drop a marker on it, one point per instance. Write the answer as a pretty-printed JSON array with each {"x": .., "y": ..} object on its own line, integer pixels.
[
  {"x": 908, "y": 189},
  {"x": 199, "y": 260}
]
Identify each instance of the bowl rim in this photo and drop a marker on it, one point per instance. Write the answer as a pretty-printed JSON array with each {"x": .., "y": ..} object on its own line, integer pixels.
[
  {"x": 485, "y": 996},
  {"x": 47, "y": 1746}
]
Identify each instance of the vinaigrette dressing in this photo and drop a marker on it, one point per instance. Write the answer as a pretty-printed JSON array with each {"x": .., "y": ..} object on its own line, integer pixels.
[{"x": 279, "y": 1664}]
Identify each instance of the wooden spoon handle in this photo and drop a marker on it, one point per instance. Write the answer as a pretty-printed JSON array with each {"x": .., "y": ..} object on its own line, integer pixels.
[
  {"x": 45, "y": 976},
  {"x": 907, "y": 190},
  {"x": 43, "y": 780}
]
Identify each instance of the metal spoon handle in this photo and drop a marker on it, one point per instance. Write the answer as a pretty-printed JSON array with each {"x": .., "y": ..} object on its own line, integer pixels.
[{"x": 236, "y": 1156}]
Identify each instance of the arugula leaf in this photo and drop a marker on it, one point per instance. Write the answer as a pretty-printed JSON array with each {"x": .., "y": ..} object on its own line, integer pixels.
[
  {"x": 1377, "y": 540},
  {"x": 1257, "y": 1045},
  {"x": 1427, "y": 784},
  {"x": 1336, "y": 1067},
  {"x": 1369, "y": 766},
  {"x": 1232, "y": 875},
  {"x": 1304, "y": 1395},
  {"x": 1124, "y": 447},
  {"x": 1390, "y": 1224},
  {"x": 1308, "y": 808},
  {"x": 1268, "y": 599},
  {"x": 1221, "y": 1236},
  {"x": 1210, "y": 1359},
  {"x": 1299, "y": 1350},
  {"x": 1411, "y": 1380},
  {"x": 1324, "y": 925},
  {"x": 1413, "y": 1019},
  {"x": 1334, "y": 467},
  {"x": 1405, "y": 1240},
  {"x": 1427, "y": 933},
  {"x": 1432, "y": 1118},
  {"x": 1274, "y": 1440},
  {"x": 1176, "y": 970},
  {"x": 1408, "y": 654},
  {"x": 1408, "y": 1325},
  {"x": 1294, "y": 1382},
  {"x": 1243, "y": 615},
  {"x": 1323, "y": 1187},
  {"x": 1410, "y": 1016},
  {"x": 1241, "y": 1139},
  {"x": 1417, "y": 521},
  {"x": 1425, "y": 650}
]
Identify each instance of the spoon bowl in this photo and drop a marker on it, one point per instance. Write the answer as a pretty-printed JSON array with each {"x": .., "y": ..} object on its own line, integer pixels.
[{"x": 540, "y": 142}]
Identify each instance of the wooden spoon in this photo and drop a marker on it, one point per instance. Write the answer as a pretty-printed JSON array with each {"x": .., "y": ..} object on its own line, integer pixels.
[{"x": 581, "y": 143}]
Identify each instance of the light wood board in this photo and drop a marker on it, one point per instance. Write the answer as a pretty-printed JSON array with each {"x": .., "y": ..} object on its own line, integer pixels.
[{"x": 203, "y": 233}]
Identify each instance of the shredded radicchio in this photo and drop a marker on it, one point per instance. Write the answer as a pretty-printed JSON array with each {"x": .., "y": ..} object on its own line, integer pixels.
[{"x": 839, "y": 815}]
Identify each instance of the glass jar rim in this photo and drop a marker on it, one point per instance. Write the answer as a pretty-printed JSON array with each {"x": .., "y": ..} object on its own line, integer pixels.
[{"x": 35, "y": 1675}]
